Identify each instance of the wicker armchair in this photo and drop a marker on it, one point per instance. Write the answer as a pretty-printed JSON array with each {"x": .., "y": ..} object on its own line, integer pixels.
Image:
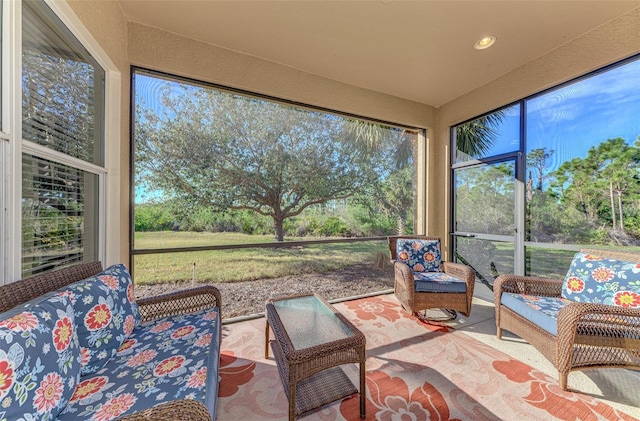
[
  {"x": 589, "y": 335},
  {"x": 412, "y": 301}
]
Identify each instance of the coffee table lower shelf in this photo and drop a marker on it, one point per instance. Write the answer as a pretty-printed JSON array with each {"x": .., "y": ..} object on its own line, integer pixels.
[{"x": 320, "y": 389}]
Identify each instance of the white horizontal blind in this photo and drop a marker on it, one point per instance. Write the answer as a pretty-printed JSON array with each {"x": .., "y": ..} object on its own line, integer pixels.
[
  {"x": 63, "y": 88},
  {"x": 59, "y": 215}
]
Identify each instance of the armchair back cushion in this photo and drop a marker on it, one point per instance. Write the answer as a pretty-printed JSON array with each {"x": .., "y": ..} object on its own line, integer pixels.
[
  {"x": 39, "y": 358},
  {"x": 419, "y": 255},
  {"x": 106, "y": 314},
  {"x": 594, "y": 279}
]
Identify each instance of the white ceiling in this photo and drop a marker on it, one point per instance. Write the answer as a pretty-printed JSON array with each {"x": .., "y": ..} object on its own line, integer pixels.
[{"x": 417, "y": 50}]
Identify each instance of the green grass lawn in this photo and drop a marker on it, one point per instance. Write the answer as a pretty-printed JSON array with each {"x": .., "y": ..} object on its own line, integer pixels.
[
  {"x": 260, "y": 263},
  {"x": 241, "y": 264}
]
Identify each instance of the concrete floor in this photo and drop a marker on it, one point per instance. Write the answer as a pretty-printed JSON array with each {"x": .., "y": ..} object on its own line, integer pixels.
[{"x": 618, "y": 387}]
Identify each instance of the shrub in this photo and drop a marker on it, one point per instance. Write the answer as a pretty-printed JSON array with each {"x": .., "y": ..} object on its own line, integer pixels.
[
  {"x": 153, "y": 217},
  {"x": 332, "y": 226}
]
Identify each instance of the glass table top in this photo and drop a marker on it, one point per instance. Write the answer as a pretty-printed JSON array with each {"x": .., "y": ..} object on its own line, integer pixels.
[{"x": 309, "y": 322}]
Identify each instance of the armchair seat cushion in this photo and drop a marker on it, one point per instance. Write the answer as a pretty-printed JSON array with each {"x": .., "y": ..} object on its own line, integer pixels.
[
  {"x": 170, "y": 359},
  {"x": 540, "y": 310},
  {"x": 438, "y": 282}
]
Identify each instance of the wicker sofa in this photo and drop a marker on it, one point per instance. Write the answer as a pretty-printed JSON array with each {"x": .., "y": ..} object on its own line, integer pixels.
[
  {"x": 157, "y": 358},
  {"x": 589, "y": 320}
]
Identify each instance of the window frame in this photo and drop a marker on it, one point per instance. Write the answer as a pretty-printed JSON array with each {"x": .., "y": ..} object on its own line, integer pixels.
[
  {"x": 108, "y": 240},
  {"x": 521, "y": 243},
  {"x": 420, "y": 214}
]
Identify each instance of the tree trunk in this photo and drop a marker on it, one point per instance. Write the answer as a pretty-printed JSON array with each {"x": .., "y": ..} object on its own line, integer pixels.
[
  {"x": 278, "y": 224},
  {"x": 540, "y": 179},
  {"x": 530, "y": 187},
  {"x": 401, "y": 225},
  {"x": 621, "y": 216},
  {"x": 613, "y": 206},
  {"x": 584, "y": 207}
]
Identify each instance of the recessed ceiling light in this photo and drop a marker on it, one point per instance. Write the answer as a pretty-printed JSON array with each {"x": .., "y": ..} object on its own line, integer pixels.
[{"x": 484, "y": 43}]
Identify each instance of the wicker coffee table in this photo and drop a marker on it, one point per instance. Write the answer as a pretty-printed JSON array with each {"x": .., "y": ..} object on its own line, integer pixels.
[{"x": 312, "y": 339}]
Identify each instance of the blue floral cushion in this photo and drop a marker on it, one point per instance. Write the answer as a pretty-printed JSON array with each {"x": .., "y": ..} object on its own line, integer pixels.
[
  {"x": 437, "y": 282},
  {"x": 543, "y": 311},
  {"x": 106, "y": 314},
  {"x": 419, "y": 255},
  {"x": 39, "y": 358},
  {"x": 173, "y": 358},
  {"x": 594, "y": 279}
]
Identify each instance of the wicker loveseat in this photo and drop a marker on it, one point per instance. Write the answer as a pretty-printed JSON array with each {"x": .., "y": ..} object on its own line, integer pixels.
[
  {"x": 589, "y": 320},
  {"x": 447, "y": 285},
  {"x": 75, "y": 344}
]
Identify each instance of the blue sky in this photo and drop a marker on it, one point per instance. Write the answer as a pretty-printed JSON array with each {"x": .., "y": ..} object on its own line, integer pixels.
[
  {"x": 572, "y": 119},
  {"x": 148, "y": 90},
  {"x": 148, "y": 94},
  {"x": 576, "y": 117}
]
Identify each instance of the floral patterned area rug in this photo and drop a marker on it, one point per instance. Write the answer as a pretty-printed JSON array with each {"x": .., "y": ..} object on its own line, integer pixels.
[{"x": 415, "y": 371}]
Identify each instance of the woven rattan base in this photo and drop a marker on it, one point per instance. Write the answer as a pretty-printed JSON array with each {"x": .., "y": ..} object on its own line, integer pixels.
[
  {"x": 589, "y": 335},
  {"x": 320, "y": 389},
  {"x": 311, "y": 373}
]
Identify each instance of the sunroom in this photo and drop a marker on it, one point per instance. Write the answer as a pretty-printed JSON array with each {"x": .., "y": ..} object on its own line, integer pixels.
[{"x": 508, "y": 130}]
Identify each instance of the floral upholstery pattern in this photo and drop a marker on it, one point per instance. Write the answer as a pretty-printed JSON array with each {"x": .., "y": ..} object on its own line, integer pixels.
[
  {"x": 419, "y": 255},
  {"x": 593, "y": 279},
  {"x": 106, "y": 314},
  {"x": 438, "y": 282},
  {"x": 39, "y": 358},
  {"x": 543, "y": 311},
  {"x": 171, "y": 358}
]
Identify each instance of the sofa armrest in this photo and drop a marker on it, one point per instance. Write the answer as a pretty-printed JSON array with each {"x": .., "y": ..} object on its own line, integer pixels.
[
  {"x": 183, "y": 409},
  {"x": 180, "y": 302},
  {"x": 528, "y": 285},
  {"x": 602, "y": 328}
]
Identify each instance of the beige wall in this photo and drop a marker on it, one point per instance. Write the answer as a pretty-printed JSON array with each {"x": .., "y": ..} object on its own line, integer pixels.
[
  {"x": 604, "y": 45},
  {"x": 159, "y": 50}
]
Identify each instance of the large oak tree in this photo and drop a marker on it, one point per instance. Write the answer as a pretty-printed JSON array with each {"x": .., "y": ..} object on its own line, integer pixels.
[{"x": 231, "y": 152}]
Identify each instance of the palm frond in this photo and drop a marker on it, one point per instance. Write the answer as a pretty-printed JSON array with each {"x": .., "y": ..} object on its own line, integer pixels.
[{"x": 476, "y": 137}]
